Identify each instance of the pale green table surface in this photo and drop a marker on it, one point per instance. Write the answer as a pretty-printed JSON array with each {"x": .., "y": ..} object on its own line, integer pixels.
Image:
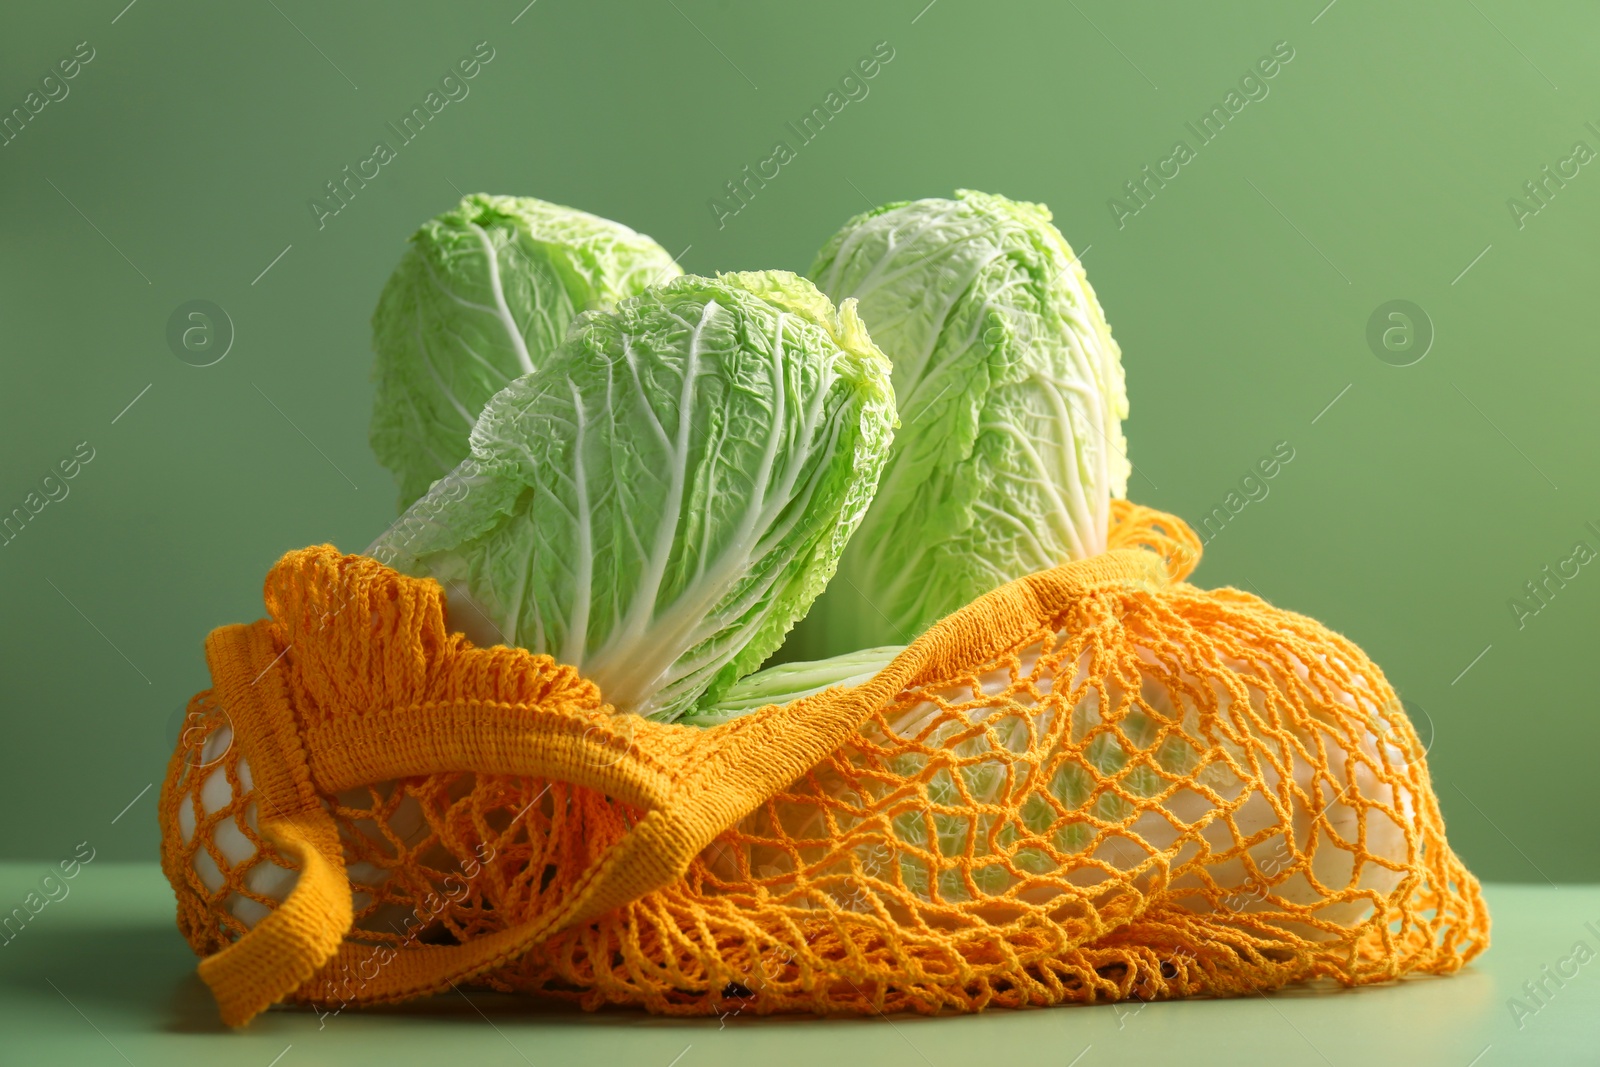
[{"x": 102, "y": 977}]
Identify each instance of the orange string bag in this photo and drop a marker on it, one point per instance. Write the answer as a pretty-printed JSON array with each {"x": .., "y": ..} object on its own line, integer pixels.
[{"x": 1096, "y": 783}]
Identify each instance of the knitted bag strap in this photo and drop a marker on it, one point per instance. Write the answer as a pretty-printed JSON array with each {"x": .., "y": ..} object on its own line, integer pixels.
[
  {"x": 289, "y": 944},
  {"x": 690, "y": 784}
]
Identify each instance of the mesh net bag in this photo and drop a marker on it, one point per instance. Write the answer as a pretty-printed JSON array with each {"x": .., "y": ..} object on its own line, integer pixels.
[{"x": 1095, "y": 783}]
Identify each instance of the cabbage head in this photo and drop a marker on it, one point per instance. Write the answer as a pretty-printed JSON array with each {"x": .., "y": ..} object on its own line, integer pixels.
[
  {"x": 660, "y": 500},
  {"x": 483, "y": 295},
  {"x": 1011, "y": 398}
]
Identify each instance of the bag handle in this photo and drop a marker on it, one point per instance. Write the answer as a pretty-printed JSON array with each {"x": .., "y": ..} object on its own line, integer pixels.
[
  {"x": 285, "y": 948},
  {"x": 692, "y": 784}
]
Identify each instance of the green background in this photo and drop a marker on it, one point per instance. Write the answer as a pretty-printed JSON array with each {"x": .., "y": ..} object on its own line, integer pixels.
[{"x": 1377, "y": 168}]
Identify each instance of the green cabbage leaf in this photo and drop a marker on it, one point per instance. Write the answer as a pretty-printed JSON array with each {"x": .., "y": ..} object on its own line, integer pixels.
[{"x": 785, "y": 682}]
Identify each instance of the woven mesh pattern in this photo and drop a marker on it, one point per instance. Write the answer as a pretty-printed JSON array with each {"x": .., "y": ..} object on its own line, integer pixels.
[{"x": 1160, "y": 792}]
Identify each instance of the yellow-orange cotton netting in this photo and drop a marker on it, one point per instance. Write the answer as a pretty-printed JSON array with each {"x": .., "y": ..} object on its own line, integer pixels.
[{"x": 1095, "y": 783}]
